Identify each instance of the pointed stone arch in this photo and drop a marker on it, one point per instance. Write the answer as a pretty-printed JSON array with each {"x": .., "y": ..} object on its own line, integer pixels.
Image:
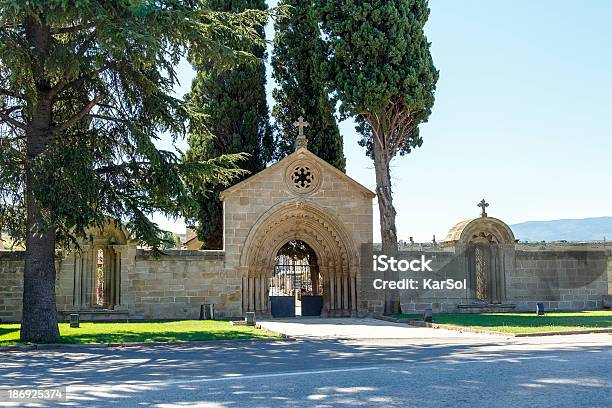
[{"x": 304, "y": 220}]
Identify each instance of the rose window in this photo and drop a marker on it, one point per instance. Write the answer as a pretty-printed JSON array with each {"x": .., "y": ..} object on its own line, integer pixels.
[{"x": 302, "y": 177}]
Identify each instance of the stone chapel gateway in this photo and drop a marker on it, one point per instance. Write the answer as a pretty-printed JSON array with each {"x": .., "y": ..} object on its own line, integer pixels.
[{"x": 298, "y": 241}]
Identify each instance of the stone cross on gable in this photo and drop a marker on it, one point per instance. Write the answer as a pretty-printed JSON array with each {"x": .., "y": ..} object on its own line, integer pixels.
[
  {"x": 483, "y": 204},
  {"x": 301, "y": 140}
]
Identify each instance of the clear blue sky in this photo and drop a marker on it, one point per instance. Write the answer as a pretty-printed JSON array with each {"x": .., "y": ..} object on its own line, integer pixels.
[{"x": 523, "y": 117}]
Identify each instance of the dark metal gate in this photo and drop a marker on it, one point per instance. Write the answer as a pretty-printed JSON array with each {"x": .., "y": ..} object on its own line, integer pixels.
[
  {"x": 312, "y": 305},
  {"x": 282, "y": 306},
  {"x": 295, "y": 283}
]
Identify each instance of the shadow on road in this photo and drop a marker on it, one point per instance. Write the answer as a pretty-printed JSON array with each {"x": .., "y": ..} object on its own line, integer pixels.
[{"x": 313, "y": 372}]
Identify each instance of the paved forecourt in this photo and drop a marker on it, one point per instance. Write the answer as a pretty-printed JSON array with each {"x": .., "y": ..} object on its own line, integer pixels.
[{"x": 364, "y": 329}]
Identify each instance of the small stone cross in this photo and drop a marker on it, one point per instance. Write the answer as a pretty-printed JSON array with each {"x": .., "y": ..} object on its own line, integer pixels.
[
  {"x": 483, "y": 204},
  {"x": 301, "y": 140}
]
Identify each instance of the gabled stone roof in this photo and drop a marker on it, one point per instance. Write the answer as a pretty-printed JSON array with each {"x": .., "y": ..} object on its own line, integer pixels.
[{"x": 302, "y": 152}]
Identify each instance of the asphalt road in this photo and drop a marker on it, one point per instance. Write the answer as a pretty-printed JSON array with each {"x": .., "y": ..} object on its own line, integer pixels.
[{"x": 547, "y": 372}]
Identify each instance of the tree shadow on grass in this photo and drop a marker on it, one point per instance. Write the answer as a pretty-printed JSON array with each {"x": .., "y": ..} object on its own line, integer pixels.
[
  {"x": 146, "y": 332},
  {"x": 9, "y": 335},
  {"x": 526, "y": 321},
  {"x": 166, "y": 336},
  {"x": 7, "y": 330}
]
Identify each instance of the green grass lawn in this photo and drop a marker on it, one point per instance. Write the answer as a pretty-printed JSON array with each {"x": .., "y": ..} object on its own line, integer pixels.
[
  {"x": 161, "y": 331},
  {"x": 519, "y": 323}
]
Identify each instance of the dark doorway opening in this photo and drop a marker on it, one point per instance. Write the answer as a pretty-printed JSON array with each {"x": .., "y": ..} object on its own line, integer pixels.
[{"x": 296, "y": 287}]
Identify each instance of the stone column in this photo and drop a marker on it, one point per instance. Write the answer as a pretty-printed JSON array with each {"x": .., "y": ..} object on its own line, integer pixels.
[
  {"x": 354, "y": 293},
  {"x": 339, "y": 289},
  {"x": 260, "y": 293},
  {"x": 332, "y": 289},
  {"x": 119, "y": 252},
  {"x": 245, "y": 294},
  {"x": 266, "y": 295},
  {"x": 78, "y": 276},
  {"x": 251, "y": 295},
  {"x": 324, "y": 273},
  {"x": 345, "y": 291}
]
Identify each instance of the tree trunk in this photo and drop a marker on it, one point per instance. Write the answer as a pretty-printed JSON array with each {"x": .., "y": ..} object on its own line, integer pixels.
[
  {"x": 388, "y": 231},
  {"x": 39, "y": 319}
]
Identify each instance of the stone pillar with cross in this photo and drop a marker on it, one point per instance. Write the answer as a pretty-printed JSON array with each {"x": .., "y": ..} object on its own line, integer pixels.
[
  {"x": 483, "y": 205},
  {"x": 301, "y": 140}
]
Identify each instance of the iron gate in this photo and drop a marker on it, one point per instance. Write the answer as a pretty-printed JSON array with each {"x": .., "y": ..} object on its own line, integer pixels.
[{"x": 295, "y": 281}]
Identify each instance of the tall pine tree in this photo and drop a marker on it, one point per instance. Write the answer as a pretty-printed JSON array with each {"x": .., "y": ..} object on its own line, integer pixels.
[
  {"x": 383, "y": 73},
  {"x": 298, "y": 61},
  {"x": 85, "y": 89},
  {"x": 232, "y": 117}
]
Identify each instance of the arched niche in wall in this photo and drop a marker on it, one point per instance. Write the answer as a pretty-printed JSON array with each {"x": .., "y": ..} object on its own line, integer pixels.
[
  {"x": 488, "y": 245},
  {"x": 97, "y": 271}
]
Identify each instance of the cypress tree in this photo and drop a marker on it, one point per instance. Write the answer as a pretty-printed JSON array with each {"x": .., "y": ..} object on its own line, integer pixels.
[
  {"x": 298, "y": 61},
  {"x": 230, "y": 116}
]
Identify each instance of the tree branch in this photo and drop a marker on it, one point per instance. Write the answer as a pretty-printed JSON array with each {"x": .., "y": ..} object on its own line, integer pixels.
[
  {"x": 118, "y": 167},
  {"x": 76, "y": 118},
  {"x": 109, "y": 118},
  {"x": 63, "y": 84},
  {"x": 12, "y": 121},
  {"x": 8, "y": 92},
  {"x": 73, "y": 29}
]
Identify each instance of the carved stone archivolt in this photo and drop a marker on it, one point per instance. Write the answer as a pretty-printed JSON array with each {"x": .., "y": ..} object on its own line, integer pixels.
[
  {"x": 297, "y": 220},
  {"x": 305, "y": 221}
]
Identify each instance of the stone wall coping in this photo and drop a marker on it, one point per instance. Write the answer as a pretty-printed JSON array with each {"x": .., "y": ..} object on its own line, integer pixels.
[
  {"x": 181, "y": 253},
  {"x": 16, "y": 255},
  {"x": 430, "y": 252},
  {"x": 539, "y": 254},
  {"x": 561, "y": 248}
]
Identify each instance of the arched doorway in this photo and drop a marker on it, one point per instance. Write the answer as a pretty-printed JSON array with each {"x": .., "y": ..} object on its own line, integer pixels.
[
  {"x": 337, "y": 259},
  {"x": 296, "y": 287}
]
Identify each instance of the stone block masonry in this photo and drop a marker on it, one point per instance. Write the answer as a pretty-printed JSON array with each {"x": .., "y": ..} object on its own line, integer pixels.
[{"x": 302, "y": 198}]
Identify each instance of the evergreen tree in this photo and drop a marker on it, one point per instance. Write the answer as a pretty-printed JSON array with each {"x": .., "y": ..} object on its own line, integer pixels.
[
  {"x": 85, "y": 88},
  {"x": 298, "y": 60},
  {"x": 233, "y": 117},
  {"x": 383, "y": 74}
]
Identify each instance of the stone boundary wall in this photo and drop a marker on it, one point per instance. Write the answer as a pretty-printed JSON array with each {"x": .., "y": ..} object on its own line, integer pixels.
[
  {"x": 11, "y": 285},
  {"x": 609, "y": 272},
  {"x": 12, "y": 264},
  {"x": 563, "y": 280},
  {"x": 563, "y": 277},
  {"x": 169, "y": 287},
  {"x": 446, "y": 265},
  {"x": 175, "y": 285}
]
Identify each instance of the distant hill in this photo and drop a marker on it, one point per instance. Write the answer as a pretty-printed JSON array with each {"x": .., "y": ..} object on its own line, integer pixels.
[{"x": 586, "y": 229}]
